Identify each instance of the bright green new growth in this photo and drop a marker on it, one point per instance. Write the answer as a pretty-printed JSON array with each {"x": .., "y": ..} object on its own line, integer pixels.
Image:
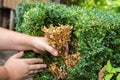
[
  {"x": 97, "y": 34},
  {"x": 111, "y": 71}
]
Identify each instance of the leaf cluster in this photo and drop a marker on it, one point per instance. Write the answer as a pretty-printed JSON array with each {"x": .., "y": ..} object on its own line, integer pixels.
[
  {"x": 111, "y": 72},
  {"x": 96, "y": 33}
]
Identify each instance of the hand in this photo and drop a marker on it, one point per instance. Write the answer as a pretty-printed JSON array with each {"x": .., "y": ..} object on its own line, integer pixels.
[
  {"x": 19, "y": 69},
  {"x": 41, "y": 44}
]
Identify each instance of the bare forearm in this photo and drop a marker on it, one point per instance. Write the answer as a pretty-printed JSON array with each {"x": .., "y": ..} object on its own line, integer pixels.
[
  {"x": 3, "y": 74},
  {"x": 10, "y": 40}
]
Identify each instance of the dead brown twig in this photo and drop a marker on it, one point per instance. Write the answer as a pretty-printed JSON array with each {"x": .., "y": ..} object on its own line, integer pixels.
[{"x": 101, "y": 73}]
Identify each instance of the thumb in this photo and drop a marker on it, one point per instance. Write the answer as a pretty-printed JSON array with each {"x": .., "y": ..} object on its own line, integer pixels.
[
  {"x": 51, "y": 50},
  {"x": 18, "y": 55}
]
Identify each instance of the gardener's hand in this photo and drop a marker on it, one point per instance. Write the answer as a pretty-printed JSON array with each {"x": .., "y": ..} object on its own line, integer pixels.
[
  {"x": 19, "y": 69},
  {"x": 23, "y": 42},
  {"x": 40, "y": 44}
]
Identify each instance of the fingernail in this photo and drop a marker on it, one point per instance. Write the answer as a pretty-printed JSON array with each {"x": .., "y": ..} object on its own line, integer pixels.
[
  {"x": 45, "y": 65},
  {"x": 55, "y": 53},
  {"x": 41, "y": 60}
]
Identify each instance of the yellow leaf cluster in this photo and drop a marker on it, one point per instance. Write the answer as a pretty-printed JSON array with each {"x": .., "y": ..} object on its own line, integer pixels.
[
  {"x": 58, "y": 36},
  {"x": 56, "y": 71},
  {"x": 72, "y": 60},
  {"x": 69, "y": 60}
]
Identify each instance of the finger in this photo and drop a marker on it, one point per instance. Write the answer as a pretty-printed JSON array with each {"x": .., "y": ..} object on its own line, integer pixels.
[
  {"x": 37, "y": 66},
  {"x": 34, "y": 60},
  {"x": 31, "y": 75},
  {"x": 51, "y": 50},
  {"x": 39, "y": 51},
  {"x": 18, "y": 55},
  {"x": 35, "y": 71}
]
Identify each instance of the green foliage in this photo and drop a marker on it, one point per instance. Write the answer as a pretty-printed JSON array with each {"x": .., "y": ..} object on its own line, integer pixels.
[
  {"x": 118, "y": 77},
  {"x": 108, "y": 77},
  {"x": 109, "y": 68},
  {"x": 97, "y": 33},
  {"x": 32, "y": 22},
  {"x": 99, "y": 4},
  {"x": 111, "y": 71},
  {"x": 44, "y": 76}
]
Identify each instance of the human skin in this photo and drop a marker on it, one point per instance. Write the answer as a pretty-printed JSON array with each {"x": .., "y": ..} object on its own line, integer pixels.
[
  {"x": 16, "y": 68},
  {"x": 10, "y": 40},
  {"x": 20, "y": 69}
]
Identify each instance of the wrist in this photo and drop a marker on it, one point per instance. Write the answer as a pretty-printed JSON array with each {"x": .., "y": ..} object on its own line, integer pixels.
[
  {"x": 27, "y": 43},
  {"x": 33, "y": 43}
]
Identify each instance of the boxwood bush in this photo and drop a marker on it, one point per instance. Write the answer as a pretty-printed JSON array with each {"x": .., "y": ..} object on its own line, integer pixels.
[{"x": 96, "y": 33}]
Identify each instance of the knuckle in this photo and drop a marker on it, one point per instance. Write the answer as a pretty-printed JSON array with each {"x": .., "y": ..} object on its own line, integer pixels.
[
  {"x": 35, "y": 60},
  {"x": 41, "y": 60},
  {"x": 52, "y": 50},
  {"x": 38, "y": 60},
  {"x": 28, "y": 68}
]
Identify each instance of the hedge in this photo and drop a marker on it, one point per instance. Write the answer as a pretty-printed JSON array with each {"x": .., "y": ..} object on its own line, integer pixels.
[{"x": 95, "y": 34}]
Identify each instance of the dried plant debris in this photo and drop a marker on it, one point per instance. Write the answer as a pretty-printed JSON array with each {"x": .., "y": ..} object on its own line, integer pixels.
[
  {"x": 72, "y": 60},
  {"x": 60, "y": 73},
  {"x": 101, "y": 73},
  {"x": 58, "y": 36}
]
